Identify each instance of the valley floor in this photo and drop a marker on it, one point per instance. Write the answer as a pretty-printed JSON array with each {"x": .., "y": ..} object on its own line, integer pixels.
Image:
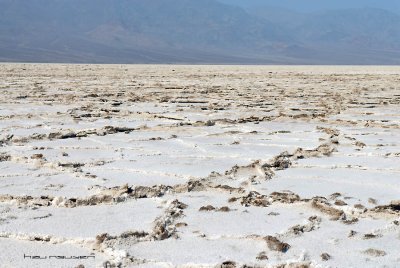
[{"x": 199, "y": 166}]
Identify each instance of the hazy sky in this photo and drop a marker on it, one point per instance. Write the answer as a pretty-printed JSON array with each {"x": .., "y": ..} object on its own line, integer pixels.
[{"x": 315, "y": 5}]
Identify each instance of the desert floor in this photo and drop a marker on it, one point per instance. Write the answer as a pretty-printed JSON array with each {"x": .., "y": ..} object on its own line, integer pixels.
[{"x": 199, "y": 166}]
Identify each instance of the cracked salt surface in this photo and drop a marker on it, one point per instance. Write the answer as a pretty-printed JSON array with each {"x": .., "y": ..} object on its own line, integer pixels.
[{"x": 204, "y": 166}]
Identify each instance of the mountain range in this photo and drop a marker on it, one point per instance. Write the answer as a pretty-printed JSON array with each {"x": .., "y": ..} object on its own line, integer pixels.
[
  {"x": 195, "y": 31},
  {"x": 317, "y": 5}
]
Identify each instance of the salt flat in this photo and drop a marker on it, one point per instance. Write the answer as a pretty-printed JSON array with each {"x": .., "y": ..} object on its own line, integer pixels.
[{"x": 199, "y": 166}]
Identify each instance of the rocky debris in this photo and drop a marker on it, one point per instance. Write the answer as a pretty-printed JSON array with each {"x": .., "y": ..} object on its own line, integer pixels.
[
  {"x": 352, "y": 233},
  {"x": 106, "y": 196},
  {"x": 6, "y": 139},
  {"x": 181, "y": 224},
  {"x": 329, "y": 131},
  {"x": 209, "y": 123},
  {"x": 325, "y": 149},
  {"x": 162, "y": 231},
  {"x": 40, "y": 238},
  {"x": 280, "y": 162},
  {"x": 371, "y": 236},
  {"x": 116, "y": 103},
  {"x": 44, "y": 201},
  {"x": 207, "y": 208},
  {"x": 107, "y": 130},
  {"x": 122, "y": 193},
  {"x": 335, "y": 196},
  {"x": 392, "y": 155},
  {"x": 99, "y": 240},
  {"x": 360, "y": 144},
  {"x": 253, "y": 170},
  {"x": 392, "y": 208},
  {"x": 224, "y": 209},
  {"x": 340, "y": 203},
  {"x": 71, "y": 165},
  {"x": 322, "y": 204},
  {"x": 280, "y": 132},
  {"x": 294, "y": 265},
  {"x": 253, "y": 180},
  {"x": 256, "y": 170},
  {"x": 233, "y": 199},
  {"x": 60, "y": 135},
  {"x": 262, "y": 256},
  {"x": 5, "y": 157},
  {"x": 284, "y": 197},
  {"x": 251, "y": 119},
  {"x": 53, "y": 186},
  {"x": 34, "y": 136},
  {"x": 117, "y": 190},
  {"x": 156, "y": 139},
  {"x": 275, "y": 244},
  {"x": 229, "y": 189},
  {"x": 351, "y": 220},
  {"x": 227, "y": 264},
  {"x": 374, "y": 252},
  {"x": 212, "y": 208},
  {"x": 37, "y": 156},
  {"x": 89, "y": 201},
  {"x": 43, "y": 217},
  {"x": 149, "y": 192},
  {"x": 106, "y": 240},
  {"x": 285, "y": 160},
  {"x": 252, "y": 199},
  {"x": 196, "y": 186},
  {"x": 313, "y": 224},
  {"x": 137, "y": 192},
  {"x": 334, "y": 140},
  {"x": 325, "y": 257},
  {"x": 360, "y": 207},
  {"x": 191, "y": 186},
  {"x": 164, "y": 226}
]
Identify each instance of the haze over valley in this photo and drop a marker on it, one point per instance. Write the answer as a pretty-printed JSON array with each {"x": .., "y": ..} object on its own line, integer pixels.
[{"x": 194, "y": 31}]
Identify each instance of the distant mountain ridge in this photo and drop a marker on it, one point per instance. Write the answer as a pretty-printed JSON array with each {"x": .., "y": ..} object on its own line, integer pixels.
[
  {"x": 309, "y": 6},
  {"x": 193, "y": 31}
]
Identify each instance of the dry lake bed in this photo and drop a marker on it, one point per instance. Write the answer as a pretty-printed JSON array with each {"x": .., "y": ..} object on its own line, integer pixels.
[{"x": 199, "y": 166}]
